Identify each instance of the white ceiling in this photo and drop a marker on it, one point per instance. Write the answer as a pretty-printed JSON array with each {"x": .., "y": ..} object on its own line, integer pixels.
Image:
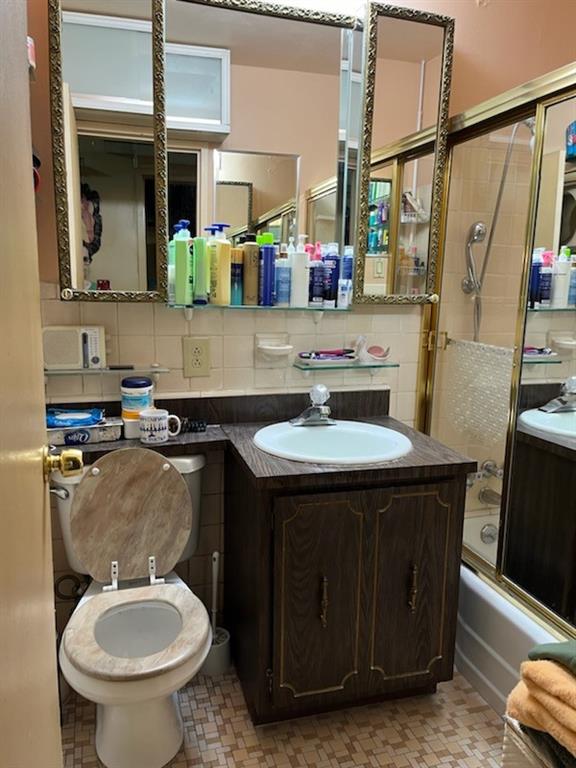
[{"x": 408, "y": 40}]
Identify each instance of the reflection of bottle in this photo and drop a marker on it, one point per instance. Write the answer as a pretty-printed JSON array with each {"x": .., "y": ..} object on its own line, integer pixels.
[
  {"x": 183, "y": 275},
  {"x": 282, "y": 278},
  {"x": 299, "y": 289},
  {"x": 236, "y": 275},
  {"x": 251, "y": 267},
  {"x": 535, "y": 277},
  {"x": 572, "y": 289},
  {"x": 546, "y": 278},
  {"x": 172, "y": 265}
]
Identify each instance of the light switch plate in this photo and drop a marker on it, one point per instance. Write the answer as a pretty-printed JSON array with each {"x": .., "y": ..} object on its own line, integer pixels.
[{"x": 196, "y": 356}]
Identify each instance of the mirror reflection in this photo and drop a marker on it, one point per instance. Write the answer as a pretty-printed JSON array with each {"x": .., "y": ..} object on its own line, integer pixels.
[
  {"x": 407, "y": 78},
  {"x": 108, "y": 147},
  {"x": 538, "y": 548},
  {"x": 408, "y": 68}
]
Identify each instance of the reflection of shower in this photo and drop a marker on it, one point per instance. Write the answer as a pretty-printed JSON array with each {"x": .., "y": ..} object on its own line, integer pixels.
[{"x": 473, "y": 282}]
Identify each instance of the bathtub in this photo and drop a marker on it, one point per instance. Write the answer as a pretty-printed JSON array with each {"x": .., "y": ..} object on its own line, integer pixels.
[{"x": 493, "y": 637}]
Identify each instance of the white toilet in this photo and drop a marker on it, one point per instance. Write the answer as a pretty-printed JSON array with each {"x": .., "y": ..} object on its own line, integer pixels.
[{"x": 135, "y": 638}]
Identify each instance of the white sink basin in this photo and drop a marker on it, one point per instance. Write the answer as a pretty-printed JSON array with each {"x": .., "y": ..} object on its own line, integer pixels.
[
  {"x": 557, "y": 427},
  {"x": 345, "y": 442}
]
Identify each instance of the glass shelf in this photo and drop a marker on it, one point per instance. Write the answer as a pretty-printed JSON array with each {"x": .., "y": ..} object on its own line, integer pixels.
[
  {"x": 552, "y": 309},
  {"x": 258, "y": 308},
  {"x": 534, "y": 360},
  {"x": 351, "y": 365},
  {"x": 100, "y": 371}
]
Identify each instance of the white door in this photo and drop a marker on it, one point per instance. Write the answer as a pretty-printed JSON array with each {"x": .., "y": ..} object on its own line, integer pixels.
[{"x": 29, "y": 718}]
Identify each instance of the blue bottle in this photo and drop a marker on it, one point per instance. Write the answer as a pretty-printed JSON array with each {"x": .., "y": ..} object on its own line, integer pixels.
[
  {"x": 266, "y": 276},
  {"x": 535, "y": 272}
]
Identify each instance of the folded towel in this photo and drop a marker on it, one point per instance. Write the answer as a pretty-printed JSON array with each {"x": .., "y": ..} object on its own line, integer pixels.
[
  {"x": 553, "y": 679},
  {"x": 563, "y": 653},
  {"x": 528, "y": 710}
]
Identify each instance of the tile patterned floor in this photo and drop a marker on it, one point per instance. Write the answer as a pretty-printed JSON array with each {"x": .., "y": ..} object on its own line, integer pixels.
[{"x": 452, "y": 729}]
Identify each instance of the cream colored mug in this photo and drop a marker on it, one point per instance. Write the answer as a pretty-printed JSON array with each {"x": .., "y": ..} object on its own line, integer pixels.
[{"x": 155, "y": 426}]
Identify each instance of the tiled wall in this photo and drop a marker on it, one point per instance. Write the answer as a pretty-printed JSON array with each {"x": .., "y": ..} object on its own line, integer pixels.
[{"x": 144, "y": 333}]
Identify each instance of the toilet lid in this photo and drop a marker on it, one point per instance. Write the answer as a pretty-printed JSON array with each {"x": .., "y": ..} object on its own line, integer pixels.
[{"x": 130, "y": 504}]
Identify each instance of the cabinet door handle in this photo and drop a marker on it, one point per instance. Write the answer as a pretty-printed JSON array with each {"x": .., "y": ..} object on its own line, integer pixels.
[
  {"x": 413, "y": 592},
  {"x": 324, "y": 602}
]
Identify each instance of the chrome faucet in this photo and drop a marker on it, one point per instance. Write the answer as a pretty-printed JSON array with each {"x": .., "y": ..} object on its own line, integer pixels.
[
  {"x": 566, "y": 401},
  {"x": 317, "y": 414}
]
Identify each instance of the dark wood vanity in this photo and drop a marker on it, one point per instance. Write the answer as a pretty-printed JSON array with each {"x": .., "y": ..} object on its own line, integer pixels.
[{"x": 341, "y": 584}]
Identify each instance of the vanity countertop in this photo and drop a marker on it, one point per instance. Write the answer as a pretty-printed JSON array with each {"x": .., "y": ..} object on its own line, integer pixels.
[
  {"x": 547, "y": 444},
  {"x": 427, "y": 459}
]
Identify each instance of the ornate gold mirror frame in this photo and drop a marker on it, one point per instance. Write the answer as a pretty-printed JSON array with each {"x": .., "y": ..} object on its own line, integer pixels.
[
  {"x": 376, "y": 10},
  {"x": 67, "y": 291}
]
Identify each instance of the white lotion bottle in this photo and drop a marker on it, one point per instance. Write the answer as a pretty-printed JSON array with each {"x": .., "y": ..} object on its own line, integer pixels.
[
  {"x": 300, "y": 275},
  {"x": 560, "y": 282}
]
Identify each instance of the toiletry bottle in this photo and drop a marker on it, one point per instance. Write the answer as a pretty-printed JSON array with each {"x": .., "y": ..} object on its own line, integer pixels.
[
  {"x": 236, "y": 276},
  {"x": 282, "y": 277},
  {"x": 561, "y": 280},
  {"x": 535, "y": 277},
  {"x": 201, "y": 271},
  {"x": 210, "y": 255},
  {"x": 546, "y": 278},
  {"x": 266, "y": 275},
  {"x": 220, "y": 269},
  {"x": 172, "y": 266},
  {"x": 251, "y": 268},
  {"x": 316, "y": 276},
  {"x": 572, "y": 289},
  {"x": 331, "y": 276},
  {"x": 344, "y": 298},
  {"x": 299, "y": 288},
  {"x": 183, "y": 276},
  {"x": 291, "y": 250}
]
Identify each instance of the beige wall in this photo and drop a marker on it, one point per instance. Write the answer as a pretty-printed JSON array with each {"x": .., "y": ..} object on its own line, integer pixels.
[{"x": 500, "y": 44}]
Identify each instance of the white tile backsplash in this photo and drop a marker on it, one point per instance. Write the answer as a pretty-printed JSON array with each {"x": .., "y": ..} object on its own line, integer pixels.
[{"x": 141, "y": 334}]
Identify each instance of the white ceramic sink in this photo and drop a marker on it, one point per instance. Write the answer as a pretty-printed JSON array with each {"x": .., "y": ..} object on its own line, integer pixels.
[
  {"x": 557, "y": 427},
  {"x": 345, "y": 442}
]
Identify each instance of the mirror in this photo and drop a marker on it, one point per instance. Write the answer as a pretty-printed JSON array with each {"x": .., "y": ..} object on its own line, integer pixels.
[
  {"x": 109, "y": 152},
  {"x": 538, "y": 545},
  {"x": 247, "y": 205},
  {"x": 408, "y": 61},
  {"x": 285, "y": 134}
]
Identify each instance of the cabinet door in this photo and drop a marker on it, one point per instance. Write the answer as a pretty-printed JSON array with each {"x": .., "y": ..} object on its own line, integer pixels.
[
  {"x": 417, "y": 535},
  {"x": 318, "y": 566}
]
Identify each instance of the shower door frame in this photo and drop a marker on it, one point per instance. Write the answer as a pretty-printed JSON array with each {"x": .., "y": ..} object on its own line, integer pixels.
[{"x": 532, "y": 99}]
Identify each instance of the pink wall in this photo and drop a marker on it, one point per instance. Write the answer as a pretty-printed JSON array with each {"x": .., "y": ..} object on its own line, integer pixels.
[{"x": 500, "y": 44}]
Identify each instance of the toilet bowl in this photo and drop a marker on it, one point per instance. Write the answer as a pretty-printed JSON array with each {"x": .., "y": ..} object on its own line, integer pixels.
[{"x": 132, "y": 643}]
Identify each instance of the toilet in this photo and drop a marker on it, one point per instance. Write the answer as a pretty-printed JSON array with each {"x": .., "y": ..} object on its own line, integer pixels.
[{"x": 139, "y": 633}]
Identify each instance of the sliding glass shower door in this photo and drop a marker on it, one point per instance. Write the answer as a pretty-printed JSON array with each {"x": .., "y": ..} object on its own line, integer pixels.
[{"x": 482, "y": 270}]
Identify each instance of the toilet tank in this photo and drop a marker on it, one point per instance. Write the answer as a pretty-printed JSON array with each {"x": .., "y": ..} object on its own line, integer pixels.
[{"x": 190, "y": 467}]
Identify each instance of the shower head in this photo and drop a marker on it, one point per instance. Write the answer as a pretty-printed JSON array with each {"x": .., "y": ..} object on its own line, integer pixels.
[{"x": 477, "y": 233}]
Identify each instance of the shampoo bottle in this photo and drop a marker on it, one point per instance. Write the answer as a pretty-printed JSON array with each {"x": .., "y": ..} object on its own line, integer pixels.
[
  {"x": 201, "y": 271},
  {"x": 546, "y": 278},
  {"x": 282, "y": 278},
  {"x": 236, "y": 276},
  {"x": 535, "y": 277},
  {"x": 316, "y": 276},
  {"x": 172, "y": 266},
  {"x": 183, "y": 276},
  {"x": 572, "y": 288},
  {"x": 220, "y": 268},
  {"x": 210, "y": 255},
  {"x": 561, "y": 280},
  {"x": 299, "y": 288},
  {"x": 251, "y": 268},
  {"x": 266, "y": 270},
  {"x": 331, "y": 276}
]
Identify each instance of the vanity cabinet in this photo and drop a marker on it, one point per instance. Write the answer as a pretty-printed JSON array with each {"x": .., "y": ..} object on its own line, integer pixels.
[{"x": 338, "y": 597}]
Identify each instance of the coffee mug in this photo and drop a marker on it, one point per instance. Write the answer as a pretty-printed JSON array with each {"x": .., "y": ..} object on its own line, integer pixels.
[{"x": 155, "y": 426}]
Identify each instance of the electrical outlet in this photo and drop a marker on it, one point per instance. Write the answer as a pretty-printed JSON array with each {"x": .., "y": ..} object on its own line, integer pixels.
[{"x": 196, "y": 355}]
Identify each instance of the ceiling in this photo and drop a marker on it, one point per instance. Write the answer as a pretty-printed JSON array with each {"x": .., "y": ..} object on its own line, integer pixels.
[{"x": 408, "y": 40}]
